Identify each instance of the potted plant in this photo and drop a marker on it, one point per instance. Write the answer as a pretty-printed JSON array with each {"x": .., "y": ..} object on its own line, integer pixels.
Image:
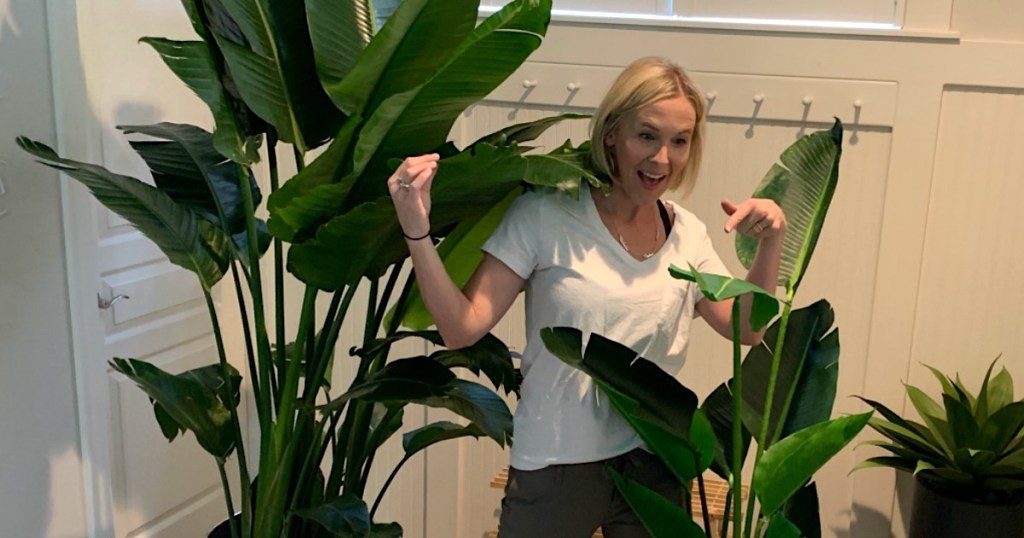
[
  {"x": 782, "y": 392},
  {"x": 314, "y": 73},
  {"x": 967, "y": 457}
]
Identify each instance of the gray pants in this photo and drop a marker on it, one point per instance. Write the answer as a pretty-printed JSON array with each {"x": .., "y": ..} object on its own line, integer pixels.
[{"x": 572, "y": 501}]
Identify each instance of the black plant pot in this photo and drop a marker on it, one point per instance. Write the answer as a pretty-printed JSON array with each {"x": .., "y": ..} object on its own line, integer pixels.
[
  {"x": 223, "y": 530},
  {"x": 937, "y": 516}
]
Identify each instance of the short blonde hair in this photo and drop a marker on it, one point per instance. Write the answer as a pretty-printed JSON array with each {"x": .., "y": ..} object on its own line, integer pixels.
[{"x": 643, "y": 82}]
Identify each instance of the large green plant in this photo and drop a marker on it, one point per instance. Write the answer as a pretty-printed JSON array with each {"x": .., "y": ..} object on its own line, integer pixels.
[
  {"x": 970, "y": 447},
  {"x": 321, "y": 73},
  {"x": 782, "y": 393}
]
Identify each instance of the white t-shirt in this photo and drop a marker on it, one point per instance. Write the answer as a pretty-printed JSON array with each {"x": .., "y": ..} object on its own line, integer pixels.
[{"x": 579, "y": 276}]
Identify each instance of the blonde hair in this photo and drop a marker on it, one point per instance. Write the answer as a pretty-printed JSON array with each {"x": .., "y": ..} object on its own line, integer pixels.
[{"x": 643, "y": 82}]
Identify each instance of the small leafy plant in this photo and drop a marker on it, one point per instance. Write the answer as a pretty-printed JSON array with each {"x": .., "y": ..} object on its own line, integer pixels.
[{"x": 970, "y": 447}]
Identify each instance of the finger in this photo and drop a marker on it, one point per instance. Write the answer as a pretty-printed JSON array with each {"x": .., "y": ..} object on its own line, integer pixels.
[
  {"x": 423, "y": 175},
  {"x": 738, "y": 216},
  {"x": 728, "y": 206},
  {"x": 417, "y": 169}
]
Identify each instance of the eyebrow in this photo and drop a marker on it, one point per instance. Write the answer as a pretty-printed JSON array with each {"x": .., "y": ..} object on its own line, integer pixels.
[{"x": 655, "y": 128}]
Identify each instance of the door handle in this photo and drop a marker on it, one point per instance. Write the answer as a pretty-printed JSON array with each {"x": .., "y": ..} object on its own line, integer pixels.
[{"x": 105, "y": 304}]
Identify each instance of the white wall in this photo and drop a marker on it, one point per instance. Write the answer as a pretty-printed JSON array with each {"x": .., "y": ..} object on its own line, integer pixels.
[{"x": 40, "y": 473}]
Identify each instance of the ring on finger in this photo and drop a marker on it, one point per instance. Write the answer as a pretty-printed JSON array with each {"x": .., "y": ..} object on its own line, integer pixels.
[
  {"x": 759, "y": 227},
  {"x": 403, "y": 184}
]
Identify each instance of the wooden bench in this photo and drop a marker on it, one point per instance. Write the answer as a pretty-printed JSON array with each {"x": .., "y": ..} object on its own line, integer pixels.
[{"x": 715, "y": 490}]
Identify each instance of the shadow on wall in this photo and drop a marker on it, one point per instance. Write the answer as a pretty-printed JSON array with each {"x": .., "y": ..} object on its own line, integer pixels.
[{"x": 41, "y": 492}]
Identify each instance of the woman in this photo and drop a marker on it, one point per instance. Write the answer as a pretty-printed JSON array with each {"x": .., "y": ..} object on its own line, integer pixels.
[{"x": 599, "y": 264}]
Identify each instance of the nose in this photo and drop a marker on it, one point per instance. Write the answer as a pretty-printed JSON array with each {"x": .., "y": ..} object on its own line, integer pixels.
[{"x": 660, "y": 156}]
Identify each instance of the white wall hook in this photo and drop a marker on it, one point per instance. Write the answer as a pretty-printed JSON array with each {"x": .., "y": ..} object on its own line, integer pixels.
[
  {"x": 710, "y": 96},
  {"x": 807, "y": 100},
  {"x": 758, "y": 98},
  {"x": 858, "y": 103},
  {"x": 528, "y": 83},
  {"x": 573, "y": 86}
]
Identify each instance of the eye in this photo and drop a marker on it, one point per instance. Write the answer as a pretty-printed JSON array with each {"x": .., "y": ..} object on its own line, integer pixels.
[
  {"x": 646, "y": 136},
  {"x": 681, "y": 141}
]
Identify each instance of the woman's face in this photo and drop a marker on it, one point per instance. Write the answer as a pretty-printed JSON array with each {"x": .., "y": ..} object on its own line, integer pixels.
[{"x": 652, "y": 145}]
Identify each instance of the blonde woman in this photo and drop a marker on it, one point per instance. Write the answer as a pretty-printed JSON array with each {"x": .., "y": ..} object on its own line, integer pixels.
[{"x": 599, "y": 264}]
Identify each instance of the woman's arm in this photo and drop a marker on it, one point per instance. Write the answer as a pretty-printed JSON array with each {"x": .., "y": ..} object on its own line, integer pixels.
[
  {"x": 462, "y": 316},
  {"x": 762, "y": 219}
]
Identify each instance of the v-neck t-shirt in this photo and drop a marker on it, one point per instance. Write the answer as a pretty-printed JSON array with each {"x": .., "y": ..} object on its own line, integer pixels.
[{"x": 578, "y": 275}]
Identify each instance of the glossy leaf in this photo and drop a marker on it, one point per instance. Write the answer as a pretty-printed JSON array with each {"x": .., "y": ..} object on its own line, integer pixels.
[
  {"x": 764, "y": 305},
  {"x": 418, "y": 120},
  {"x": 187, "y": 167},
  {"x": 718, "y": 409},
  {"x": 780, "y": 527},
  {"x": 192, "y": 400},
  {"x": 791, "y": 462},
  {"x": 421, "y": 438},
  {"x": 802, "y": 185},
  {"x": 489, "y": 356},
  {"x": 188, "y": 242},
  {"x": 344, "y": 516},
  {"x": 425, "y": 381},
  {"x": 367, "y": 240},
  {"x": 338, "y": 31},
  {"x": 565, "y": 168},
  {"x": 192, "y": 63},
  {"x": 661, "y": 517},
  {"x": 661, "y": 410},
  {"x": 385, "y": 422},
  {"x": 385, "y": 530},
  {"x": 803, "y": 512},
  {"x": 525, "y": 132},
  {"x": 418, "y": 36},
  {"x": 276, "y": 74},
  {"x": 315, "y": 194}
]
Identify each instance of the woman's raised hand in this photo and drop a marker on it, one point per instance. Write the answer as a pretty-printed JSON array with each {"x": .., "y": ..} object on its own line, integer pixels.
[
  {"x": 410, "y": 192},
  {"x": 759, "y": 218}
]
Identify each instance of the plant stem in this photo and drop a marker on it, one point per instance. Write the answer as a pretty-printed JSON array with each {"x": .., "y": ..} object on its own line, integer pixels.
[
  {"x": 362, "y": 411},
  {"x": 387, "y": 483},
  {"x": 736, "y": 477},
  {"x": 728, "y": 505},
  {"x": 229, "y": 401},
  {"x": 703, "y": 504},
  {"x": 250, "y": 353},
  {"x": 279, "y": 300},
  {"x": 385, "y": 297},
  {"x": 227, "y": 498},
  {"x": 763, "y": 441}
]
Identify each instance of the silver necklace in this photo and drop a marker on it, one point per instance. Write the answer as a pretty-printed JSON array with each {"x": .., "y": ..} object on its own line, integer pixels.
[{"x": 646, "y": 255}]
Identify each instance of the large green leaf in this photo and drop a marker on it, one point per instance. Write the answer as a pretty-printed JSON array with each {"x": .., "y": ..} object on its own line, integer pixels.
[
  {"x": 525, "y": 132},
  {"x": 339, "y": 31},
  {"x": 192, "y": 63},
  {"x": 489, "y": 356},
  {"x": 276, "y": 73},
  {"x": 802, "y": 511},
  {"x": 802, "y": 185},
  {"x": 191, "y": 400},
  {"x": 367, "y": 240},
  {"x": 187, "y": 167},
  {"x": 805, "y": 384},
  {"x": 787, "y": 465},
  {"x": 764, "y": 305},
  {"x": 188, "y": 241},
  {"x": 344, "y": 516},
  {"x": 564, "y": 168},
  {"x": 781, "y": 527},
  {"x": 660, "y": 516},
  {"x": 315, "y": 194},
  {"x": 419, "y": 119},
  {"x": 421, "y": 438},
  {"x": 416, "y": 39},
  {"x": 425, "y": 381},
  {"x": 661, "y": 410}
]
